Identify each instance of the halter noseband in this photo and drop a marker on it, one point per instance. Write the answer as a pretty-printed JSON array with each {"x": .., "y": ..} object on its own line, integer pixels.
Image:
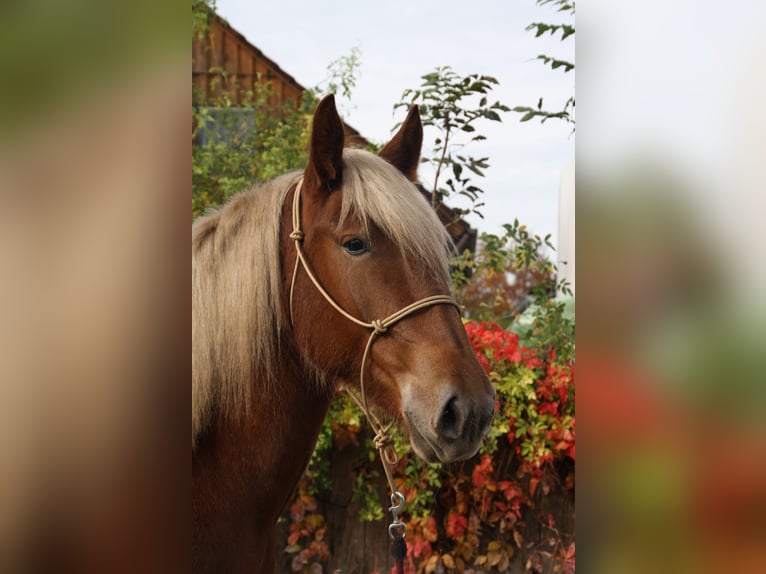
[{"x": 383, "y": 441}]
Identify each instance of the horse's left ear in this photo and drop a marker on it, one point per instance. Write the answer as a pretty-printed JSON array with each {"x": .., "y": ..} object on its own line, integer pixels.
[
  {"x": 403, "y": 151},
  {"x": 325, "y": 166}
]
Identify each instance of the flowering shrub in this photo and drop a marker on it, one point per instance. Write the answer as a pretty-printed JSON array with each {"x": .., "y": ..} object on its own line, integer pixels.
[
  {"x": 534, "y": 421},
  {"x": 306, "y": 542},
  {"x": 480, "y": 514},
  {"x": 535, "y": 397}
]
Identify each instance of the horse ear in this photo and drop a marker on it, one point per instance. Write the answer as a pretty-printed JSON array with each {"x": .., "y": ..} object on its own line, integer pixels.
[
  {"x": 326, "y": 149},
  {"x": 403, "y": 151}
]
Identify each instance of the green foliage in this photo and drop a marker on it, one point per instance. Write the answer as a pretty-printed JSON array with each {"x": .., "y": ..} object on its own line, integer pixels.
[
  {"x": 544, "y": 115},
  {"x": 343, "y": 74},
  {"x": 568, "y": 66},
  {"x": 237, "y": 145},
  {"x": 454, "y": 105},
  {"x": 563, "y": 5},
  {"x": 541, "y": 28},
  {"x": 201, "y": 12},
  {"x": 519, "y": 253},
  {"x": 566, "y": 113}
]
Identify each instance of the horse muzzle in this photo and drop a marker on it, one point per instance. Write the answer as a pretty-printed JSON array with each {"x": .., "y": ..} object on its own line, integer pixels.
[{"x": 457, "y": 429}]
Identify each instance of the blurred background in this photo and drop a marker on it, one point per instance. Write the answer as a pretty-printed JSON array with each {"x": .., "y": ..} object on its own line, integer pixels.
[
  {"x": 671, "y": 321},
  {"x": 94, "y": 190}
]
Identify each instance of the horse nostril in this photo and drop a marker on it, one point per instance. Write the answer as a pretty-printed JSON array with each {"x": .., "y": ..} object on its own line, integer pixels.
[{"x": 450, "y": 422}]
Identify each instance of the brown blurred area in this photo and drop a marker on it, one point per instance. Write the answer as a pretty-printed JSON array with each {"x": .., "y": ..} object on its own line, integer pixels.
[{"x": 94, "y": 332}]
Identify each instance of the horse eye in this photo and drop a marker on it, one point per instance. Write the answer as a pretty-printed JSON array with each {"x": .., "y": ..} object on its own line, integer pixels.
[{"x": 355, "y": 246}]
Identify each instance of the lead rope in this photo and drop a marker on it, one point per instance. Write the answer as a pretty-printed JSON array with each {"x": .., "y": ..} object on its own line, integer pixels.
[{"x": 383, "y": 441}]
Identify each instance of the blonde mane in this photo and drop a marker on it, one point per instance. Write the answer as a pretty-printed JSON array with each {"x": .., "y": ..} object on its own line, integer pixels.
[{"x": 237, "y": 278}]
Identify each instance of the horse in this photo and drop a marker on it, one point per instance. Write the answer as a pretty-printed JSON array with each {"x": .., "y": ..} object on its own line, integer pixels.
[{"x": 283, "y": 315}]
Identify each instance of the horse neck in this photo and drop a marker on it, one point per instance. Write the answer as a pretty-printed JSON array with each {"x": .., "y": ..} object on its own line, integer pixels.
[
  {"x": 245, "y": 469},
  {"x": 285, "y": 431},
  {"x": 254, "y": 460}
]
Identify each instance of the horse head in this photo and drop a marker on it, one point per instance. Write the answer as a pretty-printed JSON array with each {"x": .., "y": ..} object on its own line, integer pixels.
[{"x": 372, "y": 245}]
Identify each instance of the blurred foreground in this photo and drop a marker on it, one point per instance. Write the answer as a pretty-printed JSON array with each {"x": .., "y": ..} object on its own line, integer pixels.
[
  {"x": 671, "y": 390},
  {"x": 94, "y": 329}
]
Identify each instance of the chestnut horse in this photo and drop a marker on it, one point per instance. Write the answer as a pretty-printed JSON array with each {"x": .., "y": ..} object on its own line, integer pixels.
[{"x": 272, "y": 340}]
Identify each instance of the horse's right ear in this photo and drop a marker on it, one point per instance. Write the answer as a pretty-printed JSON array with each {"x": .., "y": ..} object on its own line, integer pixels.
[
  {"x": 325, "y": 166},
  {"x": 403, "y": 151}
]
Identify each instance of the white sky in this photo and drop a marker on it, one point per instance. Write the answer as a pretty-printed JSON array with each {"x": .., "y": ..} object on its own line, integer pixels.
[{"x": 401, "y": 40}]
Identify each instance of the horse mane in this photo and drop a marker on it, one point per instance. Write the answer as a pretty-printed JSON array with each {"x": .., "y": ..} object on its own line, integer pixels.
[{"x": 237, "y": 278}]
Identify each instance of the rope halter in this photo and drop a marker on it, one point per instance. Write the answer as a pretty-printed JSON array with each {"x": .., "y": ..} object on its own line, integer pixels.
[{"x": 383, "y": 441}]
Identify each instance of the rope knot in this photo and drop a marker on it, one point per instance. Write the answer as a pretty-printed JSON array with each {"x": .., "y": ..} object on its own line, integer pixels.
[
  {"x": 382, "y": 439},
  {"x": 296, "y": 235},
  {"x": 384, "y": 442},
  {"x": 378, "y": 326}
]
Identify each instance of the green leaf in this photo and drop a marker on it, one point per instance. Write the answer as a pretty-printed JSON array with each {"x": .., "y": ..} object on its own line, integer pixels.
[
  {"x": 480, "y": 87},
  {"x": 541, "y": 28},
  {"x": 476, "y": 170}
]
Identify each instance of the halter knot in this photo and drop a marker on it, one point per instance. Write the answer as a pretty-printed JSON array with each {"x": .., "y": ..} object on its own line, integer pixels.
[
  {"x": 378, "y": 326},
  {"x": 382, "y": 439},
  {"x": 384, "y": 443},
  {"x": 296, "y": 235}
]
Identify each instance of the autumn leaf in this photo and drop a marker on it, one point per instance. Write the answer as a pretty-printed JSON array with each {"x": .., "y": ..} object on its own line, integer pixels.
[
  {"x": 502, "y": 566},
  {"x": 448, "y": 561},
  {"x": 314, "y": 521},
  {"x": 429, "y": 530},
  {"x": 518, "y": 538},
  {"x": 533, "y": 482},
  {"x": 432, "y": 563},
  {"x": 310, "y": 502},
  {"x": 296, "y": 512},
  {"x": 456, "y": 525},
  {"x": 293, "y": 538},
  {"x": 421, "y": 548}
]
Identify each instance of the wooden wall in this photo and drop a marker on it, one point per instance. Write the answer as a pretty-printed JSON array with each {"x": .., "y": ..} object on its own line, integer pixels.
[{"x": 224, "y": 59}]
